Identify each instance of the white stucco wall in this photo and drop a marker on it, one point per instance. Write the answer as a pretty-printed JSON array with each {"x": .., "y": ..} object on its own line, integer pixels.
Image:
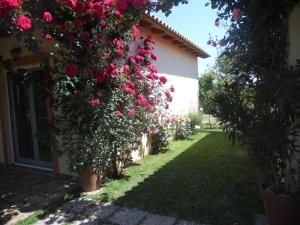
[{"x": 181, "y": 69}]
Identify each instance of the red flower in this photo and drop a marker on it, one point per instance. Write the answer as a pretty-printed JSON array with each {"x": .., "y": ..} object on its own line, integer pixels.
[
  {"x": 78, "y": 24},
  {"x": 94, "y": 101},
  {"x": 138, "y": 3},
  {"x": 119, "y": 53},
  {"x": 7, "y": 5},
  {"x": 126, "y": 69},
  {"x": 118, "y": 113},
  {"x": 139, "y": 58},
  {"x": 163, "y": 79},
  {"x": 71, "y": 70},
  {"x": 71, "y": 38},
  {"x": 47, "y": 17},
  {"x": 24, "y": 22},
  {"x": 48, "y": 37},
  {"x": 132, "y": 112},
  {"x": 152, "y": 69},
  {"x": 118, "y": 13},
  {"x": 135, "y": 32},
  {"x": 139, "y": 73},
  {"x": 122, "y": 5},
  {"x": 90, "y": 72},
  {"x": 154, "y": 57}
]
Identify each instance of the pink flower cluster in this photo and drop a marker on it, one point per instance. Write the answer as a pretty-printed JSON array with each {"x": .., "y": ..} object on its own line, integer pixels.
[
  {"x": 123, "y": 4},
  {"x": 24, "y": 22},
  {"x": 7, "y": 5}
]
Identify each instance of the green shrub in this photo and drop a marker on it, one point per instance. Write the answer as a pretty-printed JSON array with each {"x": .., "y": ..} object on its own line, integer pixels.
[
  {"x": 195, "y": 120},
  {"x": 161, "y": 139},
  {"x": 183, "y": 130}
]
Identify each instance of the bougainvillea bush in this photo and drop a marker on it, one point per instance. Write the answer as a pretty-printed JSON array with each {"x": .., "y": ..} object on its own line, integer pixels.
[{"x": 103, "y": 88}]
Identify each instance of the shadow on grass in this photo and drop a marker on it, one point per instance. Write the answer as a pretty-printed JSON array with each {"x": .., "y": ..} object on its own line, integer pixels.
[{"x": 211, "y": 182}]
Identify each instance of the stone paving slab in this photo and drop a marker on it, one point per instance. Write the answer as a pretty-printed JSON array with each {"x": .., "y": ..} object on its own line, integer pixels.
[
  {"x": 183, "y": 222},
  {"x": 158, "y": 220},
  {"x": 126, "y": 216}
]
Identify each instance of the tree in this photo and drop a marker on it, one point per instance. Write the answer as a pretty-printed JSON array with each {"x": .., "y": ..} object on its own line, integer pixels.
[{"x": 207, "y": 88}]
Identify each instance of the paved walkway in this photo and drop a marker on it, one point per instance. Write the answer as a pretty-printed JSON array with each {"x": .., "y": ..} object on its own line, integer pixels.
[
  {"x": 82, "y": 211},
  {"x": 23, "y": 190}
]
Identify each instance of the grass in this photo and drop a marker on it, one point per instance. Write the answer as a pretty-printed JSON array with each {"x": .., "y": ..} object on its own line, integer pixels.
[
  {"x": 41, "y": 213},
  {"x": 205, "y": 179}
]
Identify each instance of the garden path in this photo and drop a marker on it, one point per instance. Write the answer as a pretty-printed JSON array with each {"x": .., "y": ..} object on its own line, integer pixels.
[{"x": 82, "y": 211}]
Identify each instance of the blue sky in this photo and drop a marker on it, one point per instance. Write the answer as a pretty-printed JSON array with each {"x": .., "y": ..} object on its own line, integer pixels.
[{"x": 196, "y": 22}]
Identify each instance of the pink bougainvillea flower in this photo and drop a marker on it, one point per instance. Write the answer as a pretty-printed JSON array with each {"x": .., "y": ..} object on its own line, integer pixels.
[
  {"x": 118, "y": 113},
  {"x": 48, "y": 37},
  {"x": 236, "y": 14},
  {"x": 47, "y": 17},
  {"x": 132, "y": 112},
  {"x": 71, "y": 70},
  {"x": 163, "y": 79},
  {"x": 94, "y": 101},
  {"x": 24, "y": 23}
]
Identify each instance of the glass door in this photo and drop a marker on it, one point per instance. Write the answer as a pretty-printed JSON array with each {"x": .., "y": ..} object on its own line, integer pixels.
[{"x": 30, "y": 126}]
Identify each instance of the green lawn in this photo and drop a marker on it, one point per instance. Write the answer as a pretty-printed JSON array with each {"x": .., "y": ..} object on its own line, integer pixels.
[{"x": 204, "y": 179}]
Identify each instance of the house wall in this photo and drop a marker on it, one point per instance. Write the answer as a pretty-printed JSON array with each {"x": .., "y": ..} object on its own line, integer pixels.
[{"x": 181, "y": 69}]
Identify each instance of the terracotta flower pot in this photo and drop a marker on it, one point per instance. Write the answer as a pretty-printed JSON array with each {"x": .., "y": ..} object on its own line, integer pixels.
[
  {"x": 280, "y": 210},
  {"x": 89, "y": 180}
]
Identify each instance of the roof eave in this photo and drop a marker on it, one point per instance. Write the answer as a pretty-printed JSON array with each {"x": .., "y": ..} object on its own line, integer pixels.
[{"x": 180, "y": 39}]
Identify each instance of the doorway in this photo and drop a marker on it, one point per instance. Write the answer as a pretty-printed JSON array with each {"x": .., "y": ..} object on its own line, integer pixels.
[{"x": 29, "y": 121}]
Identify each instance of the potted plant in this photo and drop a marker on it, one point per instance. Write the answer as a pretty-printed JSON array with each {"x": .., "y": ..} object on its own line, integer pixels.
[{"x": 257, "y": 102}]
